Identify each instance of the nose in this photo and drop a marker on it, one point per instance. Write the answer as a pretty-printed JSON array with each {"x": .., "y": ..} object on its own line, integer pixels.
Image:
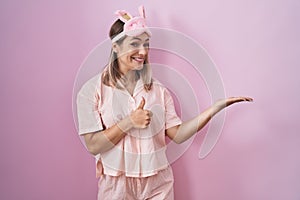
[{"x": 143, "y": 50}]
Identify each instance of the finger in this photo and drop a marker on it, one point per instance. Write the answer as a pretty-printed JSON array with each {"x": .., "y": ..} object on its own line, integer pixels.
[
  {"x": 249, "y": 99},
  {"x": 142, "y": 104},
  {"x": 232, "y": 100},
  {"x": 147, "y": 118},
  {"x": 149, "y": 113},
  {"x": 246, "y": 98},
  {"x": 146, "y": 124}
]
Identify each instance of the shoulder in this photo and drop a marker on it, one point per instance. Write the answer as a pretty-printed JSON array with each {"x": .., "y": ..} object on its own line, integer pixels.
[
  {"x": 158, "y": 86},
  {"x": 92, "y": 85}
]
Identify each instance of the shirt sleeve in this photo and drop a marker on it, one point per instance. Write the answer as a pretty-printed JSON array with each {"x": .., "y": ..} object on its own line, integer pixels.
[
  {"x": 89, "y": 118},
  {"x": 171, "y": 117}
]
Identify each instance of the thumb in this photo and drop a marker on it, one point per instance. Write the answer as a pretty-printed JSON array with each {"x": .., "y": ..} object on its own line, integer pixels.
[{"x": 142, "y": 104}]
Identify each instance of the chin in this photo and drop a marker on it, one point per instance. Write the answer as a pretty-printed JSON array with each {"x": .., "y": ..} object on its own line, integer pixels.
[{"x": 139, "y": 67}]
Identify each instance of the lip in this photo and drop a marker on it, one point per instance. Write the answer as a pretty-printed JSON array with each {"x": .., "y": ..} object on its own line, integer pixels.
[{"x": 138, "y": 59}]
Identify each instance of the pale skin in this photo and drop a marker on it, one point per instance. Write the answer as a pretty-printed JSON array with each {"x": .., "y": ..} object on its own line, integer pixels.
[{"x": 131, "y": 54}]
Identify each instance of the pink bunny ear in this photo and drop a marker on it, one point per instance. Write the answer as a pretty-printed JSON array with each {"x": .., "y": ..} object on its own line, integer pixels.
[
  {"x": 142, "y": 11},
  {"x": 123, "y": 15}
]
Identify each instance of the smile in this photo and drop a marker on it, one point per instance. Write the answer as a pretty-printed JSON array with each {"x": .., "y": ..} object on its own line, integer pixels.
[{"x": 138, "y": 59}]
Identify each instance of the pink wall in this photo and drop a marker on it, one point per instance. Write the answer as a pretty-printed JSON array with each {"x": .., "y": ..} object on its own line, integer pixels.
[{"x": 255, "y": 46}]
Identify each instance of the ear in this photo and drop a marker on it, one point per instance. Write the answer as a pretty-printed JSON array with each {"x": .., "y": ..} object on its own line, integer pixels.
[
  {"x": 123, "y": 15},
  {"x": 115, "y": 47},
  {"x": 142, "y": 11}
]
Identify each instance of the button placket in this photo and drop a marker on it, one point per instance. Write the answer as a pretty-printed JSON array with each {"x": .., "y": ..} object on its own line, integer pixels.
[{"x": 131, "y": 104}]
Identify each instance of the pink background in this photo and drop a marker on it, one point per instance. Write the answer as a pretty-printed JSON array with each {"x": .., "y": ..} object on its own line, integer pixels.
[{"x": 255, "y": 45}]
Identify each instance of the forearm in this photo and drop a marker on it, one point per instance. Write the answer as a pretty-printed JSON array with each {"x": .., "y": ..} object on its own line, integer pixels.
[
  {"x": 188, "y": 128},
  {"x": 103, "y": 141}
]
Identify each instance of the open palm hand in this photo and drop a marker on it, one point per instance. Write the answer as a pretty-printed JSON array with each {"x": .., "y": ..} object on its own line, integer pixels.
[{"x": 231, "y": 100}]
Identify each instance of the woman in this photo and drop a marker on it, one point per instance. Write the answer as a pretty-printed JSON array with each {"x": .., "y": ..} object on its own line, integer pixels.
[{"x": 124, "y": 116}]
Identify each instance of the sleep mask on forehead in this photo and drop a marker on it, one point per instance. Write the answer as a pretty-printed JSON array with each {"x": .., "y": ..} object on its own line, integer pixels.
[{"x": 133, "y": 26}]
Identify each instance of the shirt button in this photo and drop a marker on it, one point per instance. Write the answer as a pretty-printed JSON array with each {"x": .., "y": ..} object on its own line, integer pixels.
[
  {"x": 119, "y": 117},
  {"x": 132, "y": 103}
]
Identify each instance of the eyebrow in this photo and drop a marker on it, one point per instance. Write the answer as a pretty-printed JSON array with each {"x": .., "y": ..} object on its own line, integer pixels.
[{"x": 136, "y": 38}]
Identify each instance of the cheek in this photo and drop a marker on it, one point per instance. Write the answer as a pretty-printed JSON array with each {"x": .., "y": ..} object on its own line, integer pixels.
[
  {"x": 124, "y": 56},
  {"x": 125, "y": 59},
  {"x": 127, "y": 49}
]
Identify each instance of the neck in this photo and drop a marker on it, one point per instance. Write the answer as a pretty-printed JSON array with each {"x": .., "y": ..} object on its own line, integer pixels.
[
  {"x": 129, "y": 77},
  {"x": 129, "y": 81}
]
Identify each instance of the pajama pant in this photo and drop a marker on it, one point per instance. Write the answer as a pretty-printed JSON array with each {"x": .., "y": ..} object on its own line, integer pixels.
[{"x": 156, "y": 187}]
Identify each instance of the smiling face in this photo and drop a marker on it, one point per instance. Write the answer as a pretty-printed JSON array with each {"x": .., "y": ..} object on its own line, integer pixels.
[{"x": 132, "y": 52}]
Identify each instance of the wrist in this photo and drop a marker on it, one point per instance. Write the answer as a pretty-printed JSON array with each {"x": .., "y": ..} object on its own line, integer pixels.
[
  {"x": 125, "y": 124},
  {"x": 216, "y": 108},
  {"x": 219, "y": 105}
]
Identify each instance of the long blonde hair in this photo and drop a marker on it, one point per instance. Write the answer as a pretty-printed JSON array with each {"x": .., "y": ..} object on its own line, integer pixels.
[{"x": 112, "y": 73}]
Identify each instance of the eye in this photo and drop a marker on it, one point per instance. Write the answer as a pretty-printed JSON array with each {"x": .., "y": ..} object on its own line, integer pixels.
[
  {"x": 134, "y": 44},
  {"x": 146, "y": 45}
]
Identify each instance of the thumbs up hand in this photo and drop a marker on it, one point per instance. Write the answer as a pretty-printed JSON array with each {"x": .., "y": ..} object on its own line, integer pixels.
[
  {"x": 142, "y": 104},
  {"x": 141, "y": 118}
]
